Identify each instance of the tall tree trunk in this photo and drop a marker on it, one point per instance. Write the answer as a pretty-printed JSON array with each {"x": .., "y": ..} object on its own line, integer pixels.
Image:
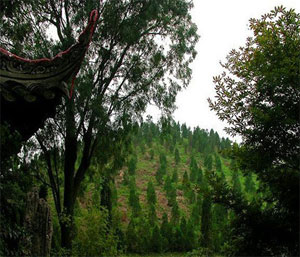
[
  {"x": 66, "y": 219},
  {"x": 66, "y": 228}
]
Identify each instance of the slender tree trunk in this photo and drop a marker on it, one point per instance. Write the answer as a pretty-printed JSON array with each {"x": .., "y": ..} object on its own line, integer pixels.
[
  {"x": 66, "y": 219},
  {"x": 66, "y": 239}
]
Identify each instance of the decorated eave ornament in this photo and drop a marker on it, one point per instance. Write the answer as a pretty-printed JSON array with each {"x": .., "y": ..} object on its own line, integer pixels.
[{"x": 31, "y": 89}]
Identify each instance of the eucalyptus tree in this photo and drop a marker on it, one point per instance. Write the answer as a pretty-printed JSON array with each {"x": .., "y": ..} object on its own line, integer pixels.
[{"x": 139, "y": 55}]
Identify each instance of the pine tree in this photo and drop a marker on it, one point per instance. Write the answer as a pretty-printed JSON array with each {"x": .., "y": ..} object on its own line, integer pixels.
[
  {"x": 163, "y": 161},
  {"x": 142, "y": 147},
  {"x": 199, "y": 177},
  {"x": 194, "y": 173},
  {"x": 219, "y": 222},
  {"x": 193, "y": 162},
  {"x": 151, "y": 195},
  {"x": 156, "y": 240},
  {"x": 132, "y": 166},
  {"x": 162, "y": 170},
  {"x": 190, "y": 236},
  {"x": 208, "y": 162},
  {"x": 151, "y": 154},
  {"x": 183, "y": 228},
  {"x": 191, "y": 196},
  {"x": 177, "y": 240},
  {"x": 222, "y": 176},
  {"x": 159, "y": 176},
  {"x": 218, "y": 163},
  {"x": 114, "y": 194},
  {"x": 177, "y": 156},
  {"x": 249, "y": 184},
  {"x": 131, "y": 237},
  {"x": 206, "y": 222},
  {"x": 168, "y": 184},
  {"x": 195, "y": 215},
  {"x": 172, "y": 194},
  {"x": 175, "y": 214},
  {"x": 185, "y": 179},
  {"x": 143, "y": 231},
  {"x": 175, "y": 175},
  {"x": 152, "y": 217},
  {"x": 134, "y": 201},
  {"x": 236, "y": 183},
  {"x": 166, "y": 231},
  {"x": 204, "y": 187},
  {"x": 233, "y": 165}
]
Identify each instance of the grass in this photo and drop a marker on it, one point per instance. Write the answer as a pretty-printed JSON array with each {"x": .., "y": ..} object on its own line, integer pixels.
[{"x": 155, "y": 255}]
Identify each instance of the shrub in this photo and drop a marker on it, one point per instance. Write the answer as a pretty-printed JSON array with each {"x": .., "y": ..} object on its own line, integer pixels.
[{"x": 94, "y": 237}]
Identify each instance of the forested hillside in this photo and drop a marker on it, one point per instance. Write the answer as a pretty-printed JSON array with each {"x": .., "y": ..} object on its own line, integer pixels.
[
  {"x": 94, "y": 178},
  {"x": 160, "y": 200}
]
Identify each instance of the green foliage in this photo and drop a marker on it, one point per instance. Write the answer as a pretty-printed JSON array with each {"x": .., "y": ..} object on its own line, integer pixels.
[
  {"x": 199, "y": 177},
  {"x": 208, "y": 161},
  {"x": 168, "y": 184},
  {"x": 218, "y": 163},
  {"x": 94, "y": 237},
  {"x": 138, "y": 235},
  {"x": 166, "y": 232},
  {"x": 185, "y": 179},
  {"x": 151, "y": 154},
  {"x": 131, "y": 61},
  {"x": 177, "y": 156},
  {"x": 175, "y": 214},
  {"x": 190, "y": 237},
  {"x": 236, "y": 183},
  {"x": 195, "y": 214},
  {"x": 126, "y": 178},
  {"x": 194, "y": 173},
  {"x": 203, "y": 252},
  {"x": 177, "y": 239},
  {"x": 134, "y": 201},
  {"x": 249, "y": 184},
  {"x": 162, "y": 170},
  {"x": 220, "y": 227},
  {"x": 175, "y": 175},
  {"x": 159, "y": 176},
  {"x": 171, "y": 195},
  {"x": 191, "y": 196},
  {"x": 258, "y": 96},
  {"x": 151, "y": 195},
  {"x": 15, "y": 182},
  {"x": 156, "y": 240},
  {"x": 132, "y": 238},
  {"x": 152, "y": 217},
  {"x": 206, "y": 222},
  {"x": 132, "y": 166},
  {"x": 163, "y": 162}
]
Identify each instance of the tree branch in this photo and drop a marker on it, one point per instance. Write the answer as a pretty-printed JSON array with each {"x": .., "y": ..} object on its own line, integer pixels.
[{"x": 54, "y": 186}]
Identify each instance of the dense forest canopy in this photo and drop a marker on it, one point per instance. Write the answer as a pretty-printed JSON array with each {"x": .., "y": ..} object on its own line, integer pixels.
[{"x": 118, "y": 184}]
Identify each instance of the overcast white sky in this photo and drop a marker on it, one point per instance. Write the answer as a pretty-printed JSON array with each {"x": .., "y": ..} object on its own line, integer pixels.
[{"x": 222, "y": 25}]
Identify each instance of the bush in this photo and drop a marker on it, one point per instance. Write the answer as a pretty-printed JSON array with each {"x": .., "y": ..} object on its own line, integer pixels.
[
  {"x": 200, "y": 252},
  {"x": 94, "y": 237}
]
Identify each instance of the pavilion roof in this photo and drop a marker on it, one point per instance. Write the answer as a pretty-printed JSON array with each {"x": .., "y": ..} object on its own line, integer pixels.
[{"x": 31, "y": 89}]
